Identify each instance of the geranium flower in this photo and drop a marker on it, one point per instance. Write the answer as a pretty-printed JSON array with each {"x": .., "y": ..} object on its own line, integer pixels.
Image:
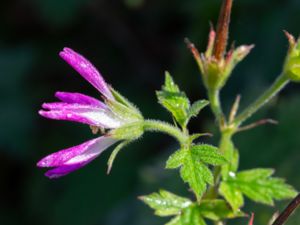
[{"x": 111, "y": 115}]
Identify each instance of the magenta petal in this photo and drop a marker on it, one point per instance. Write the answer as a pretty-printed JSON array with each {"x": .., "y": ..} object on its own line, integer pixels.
[
  {"x": 86, "y": 114},
  {"x": 63, "y": 170},
  {"x": 86, "y": 69},
  {"x": 78, "y": 154},
  {"x": 66, "y": 115},
  {"x": 79, "y": 98},
  {"x": 73, "y": 106}
]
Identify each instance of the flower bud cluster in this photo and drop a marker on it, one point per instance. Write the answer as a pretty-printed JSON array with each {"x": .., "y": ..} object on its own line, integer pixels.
[{"x": 216, "y": 71}]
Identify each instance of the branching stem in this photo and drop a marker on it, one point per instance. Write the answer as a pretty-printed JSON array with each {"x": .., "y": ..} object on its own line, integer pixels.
[
  {"x": 159, "y": 126},
  {"x": 277, "y": 86}
]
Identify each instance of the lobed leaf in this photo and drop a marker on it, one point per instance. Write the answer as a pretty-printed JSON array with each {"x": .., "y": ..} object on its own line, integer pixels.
[
  {"x": 192, "y": 170},
  {"x": 257, "y": 185},
  {"x": 191, "y": 216},
  {"x": 232, "y": 195},
  {"x": 174, "y": 100},
  {"x": 195, "y": 109},
  {"x": 165, "y": 203},
  {"x": 176, "y": 159},
  {"x": 208, "y": 154},
  {"x": 196, "y": 174}
]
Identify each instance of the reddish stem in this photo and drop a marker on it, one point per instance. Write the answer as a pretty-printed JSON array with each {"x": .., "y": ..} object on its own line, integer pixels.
[{"x": 288, "y": 211}]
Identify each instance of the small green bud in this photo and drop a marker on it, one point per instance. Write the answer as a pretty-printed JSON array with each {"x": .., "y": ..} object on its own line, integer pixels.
[{"x": 292, "y": 62}]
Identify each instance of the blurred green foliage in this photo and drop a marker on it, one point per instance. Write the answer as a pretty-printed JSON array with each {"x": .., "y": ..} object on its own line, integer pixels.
[{"x": 132, "y": 42}]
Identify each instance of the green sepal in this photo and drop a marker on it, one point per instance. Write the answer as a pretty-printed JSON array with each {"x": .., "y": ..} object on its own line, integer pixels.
[
  {"x": 114, "y": 154},
  {"x": 291, "y": 67},
  {"x": 233, "y": 58},
  {"x": 166, "y": 203},
  {"x": 175, "y": 101},
  {"x": 130, "y": 131},
  {"x": 124, "y": 101},
  {"x": 215, "y": 73},
  {"x": 123, "y": 112}
]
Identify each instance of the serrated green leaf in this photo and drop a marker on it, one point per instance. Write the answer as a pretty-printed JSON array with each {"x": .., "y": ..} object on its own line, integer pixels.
[
  {"x": 170, "y": 84},
  {"x": 165, "y": 203},
  {"x": 174, "y": 100},
  {"x": 193, "y": 168},
  {"x": 195, "y": 136},
  {"x": 176, "y": 159},
  {"x": 114, "y": 154},
  {"x": 195, "y": 109},
  {"x": 259, "y": 186},
  {"x": 217, "y": 210},
  {"x": 191, "y": 216},
  {"x": 196, "y": 174},
  {"x": 254, "y": 174},
  {"x": 208, "y": 154},
  {"x": 232, "y": 195}
]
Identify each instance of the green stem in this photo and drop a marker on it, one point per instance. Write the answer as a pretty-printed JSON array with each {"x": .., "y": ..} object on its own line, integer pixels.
[
  {"x": 276, "y": 87},
  {"x": 225, "y": 147},
  {"x": 159, "y": 126},
  {"x": 214, "y": 99}
]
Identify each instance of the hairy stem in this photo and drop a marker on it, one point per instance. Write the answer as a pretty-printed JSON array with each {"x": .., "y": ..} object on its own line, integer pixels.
[
  {"x": 224, "y": 146},
  {"x": 215, "y": 105},
  {"x": 159, "y": 126},
  {"x": 276, "y": 87}
]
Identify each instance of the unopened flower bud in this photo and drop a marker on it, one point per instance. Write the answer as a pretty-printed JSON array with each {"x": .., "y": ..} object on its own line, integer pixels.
[{"x": 292, "y": 63}]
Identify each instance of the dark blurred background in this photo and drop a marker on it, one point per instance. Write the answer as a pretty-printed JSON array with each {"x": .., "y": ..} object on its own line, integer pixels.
[{"x": 132, "y": 42}]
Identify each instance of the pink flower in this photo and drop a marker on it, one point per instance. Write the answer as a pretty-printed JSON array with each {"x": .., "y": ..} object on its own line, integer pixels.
[{"x": 85, "y": 109}]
